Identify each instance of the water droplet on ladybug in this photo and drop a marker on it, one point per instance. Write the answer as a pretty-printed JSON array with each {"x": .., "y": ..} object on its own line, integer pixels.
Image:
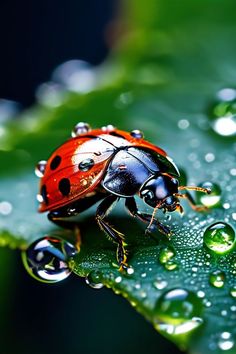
[
  {"x": 47, "y": 259},
  {"x": 217, "y": 279},
  {"x": 137, "y": 134},
  {"x": 86, "y": 164},
  {"x": 108, "y": 128},
  {"x": 80, "y": 128},
  {"x": 94, "y": 279},
  {"x": 220, "y": 238},
  {"x": 178, "y": 311},
  {"x": 211, "y": 200},
  {"x": 40, "y": 168}
]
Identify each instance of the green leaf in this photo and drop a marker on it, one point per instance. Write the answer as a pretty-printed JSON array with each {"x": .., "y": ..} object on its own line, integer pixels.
[{"x": 163, "y": 79}]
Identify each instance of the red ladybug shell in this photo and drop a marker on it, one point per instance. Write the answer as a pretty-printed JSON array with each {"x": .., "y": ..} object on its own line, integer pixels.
[{"x": 65, "y": 179}]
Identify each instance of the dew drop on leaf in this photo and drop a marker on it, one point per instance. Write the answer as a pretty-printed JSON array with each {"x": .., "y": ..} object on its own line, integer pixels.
[
  {"x": 178, "y": 311},
  {"x": 233, "y": 291},
  {"x": 47, "y": 259},
  {"x": 211, "y": 200},
  {"x": 225, "y": 341},
  {"x": 94, "y": 279},
  {"x": 217, "y": 279},
  {"x": 219, "y": 238}
]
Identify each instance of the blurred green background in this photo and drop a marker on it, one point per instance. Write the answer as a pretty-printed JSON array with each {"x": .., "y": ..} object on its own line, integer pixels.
[{"x": 160, "y": 49}]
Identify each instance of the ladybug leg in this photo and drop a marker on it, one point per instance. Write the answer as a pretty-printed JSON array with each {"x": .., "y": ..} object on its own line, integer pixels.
[
  {"x": 102, "y": 211},
  {"x": 147, "y": 218},
  {"x": 192, "y": 202}
]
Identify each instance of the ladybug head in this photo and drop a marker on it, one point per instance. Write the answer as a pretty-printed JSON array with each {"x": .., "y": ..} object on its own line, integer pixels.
[{"x": 159, "y": 192}]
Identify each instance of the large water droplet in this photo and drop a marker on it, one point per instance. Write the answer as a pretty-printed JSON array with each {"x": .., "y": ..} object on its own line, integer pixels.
[
  {"x": 47, "y": 259},
  {"x": 220, "y": 238},
  {"x": 211, "y": 200},
  {"x": 225, "y": 341},
  {"x": 94, "y": 279},
  {"x": 178, "y": 311},
  {"x": 223, "y": 112},
  {"x": 233, "y": 291},
  {"x": 217, "y": 279}
]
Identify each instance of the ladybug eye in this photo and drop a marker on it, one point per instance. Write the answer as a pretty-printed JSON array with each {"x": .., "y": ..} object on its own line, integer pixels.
[
  {"x": 86, "y": 164},
  {"x": 137, "y": 134},
  {"x": 80, "y": 128},
  {"x": 40, "y": 168}
]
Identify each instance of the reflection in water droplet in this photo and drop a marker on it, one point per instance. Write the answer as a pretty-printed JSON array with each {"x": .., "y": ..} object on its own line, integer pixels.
[
  {"x": 220, "y": 238},
  {"x": 225, "y": 341},
  {"x": 94, "y": 279},
  {"x": 217, "y": 279},
  {"x": 47, "y": 259},
  {"x": 209, "y": 200},
  {"x": 40, "y": 168},
  {"x": 178, "y": 311},
  {"x": 160, "y": 284},
  {"x": 5, "y": 208}
]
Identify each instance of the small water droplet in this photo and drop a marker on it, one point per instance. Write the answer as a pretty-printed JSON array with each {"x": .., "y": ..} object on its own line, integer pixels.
[
  {"x": 183, "y": 124},
  {"x": 211, "y": 200},
  {"x": 5, "y": 208},
  {"x": 209, "y": 157},
  {"x": 225, "y": 126},
  {"x": 47, "y": 259},
  {"x": 233, "y": 291},
  {"x": 166, "y": 254},
  {"x": 40, "y": 168},
  {"x": 118, "y": 279},
  {"x": 80, "y": 128},
  {"x": 178, "y": 311},
  {"x": 217, "y": 279},
  {"x": 160, "y": 284},
  {"x": 219, "y": 238},
  {"x": 94, "y": 279},
  {"x": 225, "y": 341}
]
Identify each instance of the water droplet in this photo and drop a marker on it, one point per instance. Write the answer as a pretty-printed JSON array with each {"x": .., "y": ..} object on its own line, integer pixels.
[
  {"x": 209, "y": 157},
  {"x": 94, "y": 279},
  {"x": 209, "y": 200},
  {"x": 118, "y": 279},
  {"x": 225, "y": 126},
  {"x": 40, "y": 168},
  {"x": 224, "y": 104},
  {"x": 183, "y": 124},
  {"x": 219, "y": 238},
  {"x": 80, "y": 128},
  {"x": 217, "y": 279},
  {"x": 160, "y": 284},
  {"x": 8, "y": 109},
  {"x": 233, "y": 291},
  {"x": 47, "y": 259},
  {"x": 166, "y": 254},
  {"x": 50, "y": 94},
  {"x": 178, "y": 311},
  {"x": 5, "y": 208},
  {"x": 225, "y": 341},
  {"x": 171, "y": 265}
]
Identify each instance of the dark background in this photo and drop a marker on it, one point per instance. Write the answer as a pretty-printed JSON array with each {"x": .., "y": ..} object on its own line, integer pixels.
[
  {"x": 67, "y": 317},
  {"x": 36, "y": 36}
]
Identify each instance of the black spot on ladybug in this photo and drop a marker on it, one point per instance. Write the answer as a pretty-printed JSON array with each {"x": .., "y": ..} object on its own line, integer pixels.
[
  {"x": 64, "y": 186},
  {"x": 44, "y": 193},
  {"x": 86, "y": 164},
  {"x": 55, "y": 162},
  {"x": 116, "y": 134}
]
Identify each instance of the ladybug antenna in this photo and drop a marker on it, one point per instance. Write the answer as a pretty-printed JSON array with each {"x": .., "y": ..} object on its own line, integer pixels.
[
  {"x": 153, "y": 215},
  {"x": 194, "y": 188}
]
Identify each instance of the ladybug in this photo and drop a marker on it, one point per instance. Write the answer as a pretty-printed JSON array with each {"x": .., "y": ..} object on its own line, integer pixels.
[{"x": 105, "y": 165}]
